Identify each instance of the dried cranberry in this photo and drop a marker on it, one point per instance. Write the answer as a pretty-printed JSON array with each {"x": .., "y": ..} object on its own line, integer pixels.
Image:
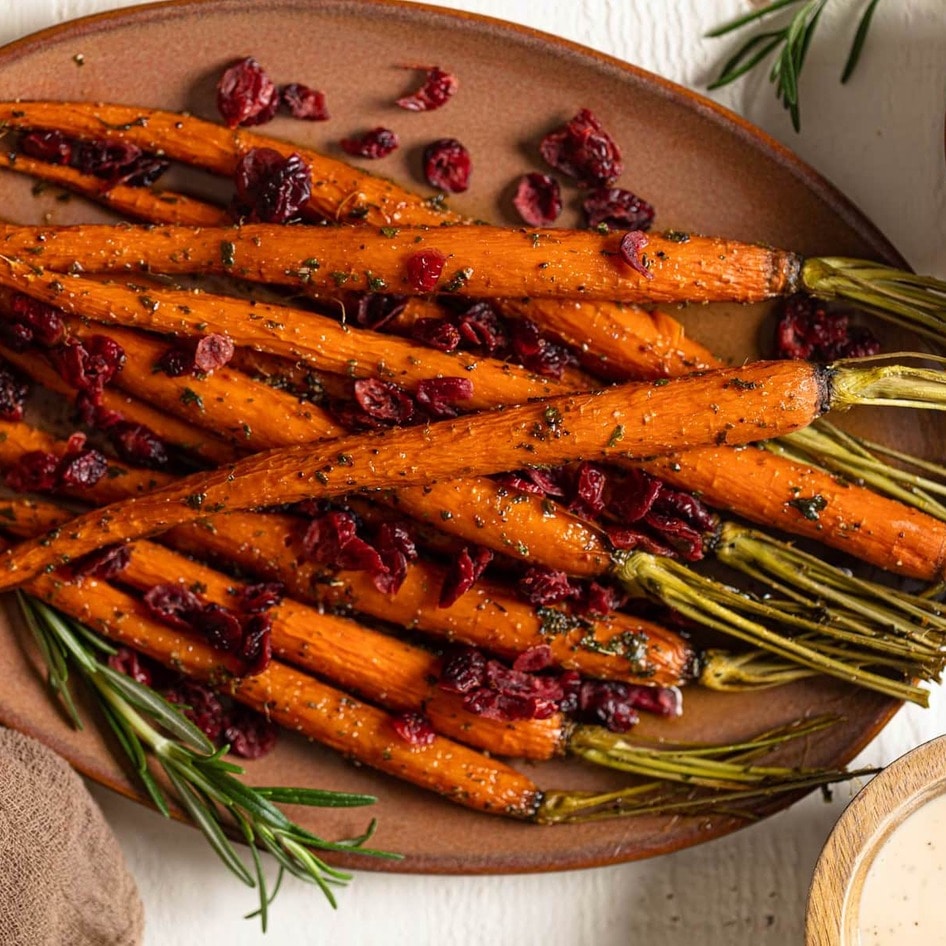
[
  {"x": 255, "y": 647},
  {"x": 541, "y": 586},
  {"x": 437, "y": 333},
  {"x": 377, "y": 143},
  {"x": 807, "y": 330},
  {"x": 129, "y": 662},
  {"x": 438, "y": 87},
  {"x": 438, "y": 395},
  {"x": 661, "y": 701},
  {"x": 104, "y": 563},
  {"x": 175, "y": 362},
  {"x": 538, "y": 199},
  {"x": 634, "y": 495},
  {"x": 533, "y": 659},
  {"x": 89, "y": 365},
  {"x": 535, "y": 481},
  {"x": 259, "y": 597},
  {"x": 414, "y": 729},
  {"x": 617, "y": 208},
  {"x": 464, "y": 570},
  {"x": 219, "y": 626},
  {"x": 599, "y": 601},
  {"x": 117, "y": 162},
  {"x": 45, "y": 324},
  {"x": 590, "y": 483},
  {"x": 246, "y": 95},
  {"x": 200, "y": 705},
  {"x": 535, "y": 352},
  {"x": 377, "y": 309},
  {"x": 137, "y": 444},
  {"x": 424, "y": 269},
  {"x": 687, "y": 506},
  {"x": 304, "y": 103},
  {"x": 396, "y": 546},
  {"x": 686, "y": 541},
  {"x": 81, "y": 470},
  {"x": 51, "y": 146},
  {"x": 607, "y": 703},
  {"x": 463, "y": 670},
  {"x": 13, "y": 391},
  {"x": 173, "y": 603},
  {"x": 272, "y": 188},
  {"x": 632, "y": 248},
  {"x": 33, "y": 472},
  {"x": 331, "y": 540},
  {"x": 582, "y": 149},
  {"x": 447, "y": 165},
  {"x": 249, "y": 734},
  {"x": 481, "y": 326},
  {"x": 384, "y": 400},
  {"x": 212, "y": 351}
]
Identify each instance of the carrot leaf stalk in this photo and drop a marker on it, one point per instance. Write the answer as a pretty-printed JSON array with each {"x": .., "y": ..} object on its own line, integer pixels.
[
  {"x": 914, "y": 302},
  {"x": 862, "y": 461},
  {"x": 694, "y": 779},
  {"x": 732, "y": 672},
  {"x": 837, "y": 646},
  {"x": 202, "y": 777}
]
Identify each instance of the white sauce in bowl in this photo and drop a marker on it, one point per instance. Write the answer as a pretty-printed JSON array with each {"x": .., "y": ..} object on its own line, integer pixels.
[{"x": 903, "y": 900}]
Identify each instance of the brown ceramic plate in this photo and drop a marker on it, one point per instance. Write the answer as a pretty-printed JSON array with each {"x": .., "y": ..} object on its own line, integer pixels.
[{"x": 704, "y": 169}]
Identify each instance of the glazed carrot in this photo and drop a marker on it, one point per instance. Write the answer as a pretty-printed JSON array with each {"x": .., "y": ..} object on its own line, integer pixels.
[
  {"x": 303, "y": 704},
  {"x": 140, "y": 203},
  {"x": 398, "y": 675},
  {"x": 479, "y": 261},
  {"x": 339, "y": 190},
  {"x": 629, "y": 420},
  {"x": 291, "y": 333}
]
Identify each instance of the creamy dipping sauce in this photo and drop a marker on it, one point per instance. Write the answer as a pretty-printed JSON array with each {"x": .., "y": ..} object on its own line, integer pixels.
[{"x": 903, "y": 900}]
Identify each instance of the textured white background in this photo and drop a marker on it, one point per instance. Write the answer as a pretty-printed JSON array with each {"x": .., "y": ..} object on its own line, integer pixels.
[{"x": 880, "y": 139}]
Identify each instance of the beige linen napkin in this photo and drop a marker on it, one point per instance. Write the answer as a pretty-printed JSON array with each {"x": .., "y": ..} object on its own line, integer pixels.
[{"x": 63, "y": 881}]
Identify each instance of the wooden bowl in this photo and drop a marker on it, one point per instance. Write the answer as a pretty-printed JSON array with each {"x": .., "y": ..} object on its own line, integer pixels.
[{"x": 903, "y": 788}]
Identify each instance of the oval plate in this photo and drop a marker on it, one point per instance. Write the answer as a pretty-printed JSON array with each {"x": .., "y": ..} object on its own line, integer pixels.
[{"x": 704, "y": 169}]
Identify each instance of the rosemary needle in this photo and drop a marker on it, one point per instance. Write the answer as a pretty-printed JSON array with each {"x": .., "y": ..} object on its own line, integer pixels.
[
  {"x": 154, "y": 732},
  {"x": 789, "y": 42}
]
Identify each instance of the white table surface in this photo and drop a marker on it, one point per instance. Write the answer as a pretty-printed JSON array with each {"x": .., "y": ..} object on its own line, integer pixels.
[{"x": 880, "y": 139}]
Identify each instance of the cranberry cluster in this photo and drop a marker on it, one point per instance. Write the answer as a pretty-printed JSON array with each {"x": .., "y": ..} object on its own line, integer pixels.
[
  {"x": 807, "y": 330},
  {"x": 244, "y": 630},
  {"x": 480, "y": 329},
  {"x": 13, "y": 392},
  {"x": 377, "y": 404},
  {"x": 115, "y": 162},
  {"x": 582, "y": 150},
  {"x": 491, "y": 688},
  {"x": 39, "y": 471},
  {"x": 247, "y": 96},
  {"x": 248, "y": 733}
]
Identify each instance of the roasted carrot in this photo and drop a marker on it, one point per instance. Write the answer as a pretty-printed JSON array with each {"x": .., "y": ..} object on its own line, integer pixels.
[
  {"x": 480, "y": 261},
  {"x": 139, "y": 203},
  {"x": 629, "y": 420},
  {"x": 618, "y": 647},
  {"x": 284, "y": 331}
]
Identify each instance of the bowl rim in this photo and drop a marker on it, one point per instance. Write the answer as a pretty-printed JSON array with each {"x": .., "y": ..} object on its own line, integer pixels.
[{"x": 894, "y": 794}]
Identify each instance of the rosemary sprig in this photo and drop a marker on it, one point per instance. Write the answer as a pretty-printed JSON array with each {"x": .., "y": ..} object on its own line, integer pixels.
[
  {"x": 790, "y": 43},
  {"x": 152, "y": 731}
]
